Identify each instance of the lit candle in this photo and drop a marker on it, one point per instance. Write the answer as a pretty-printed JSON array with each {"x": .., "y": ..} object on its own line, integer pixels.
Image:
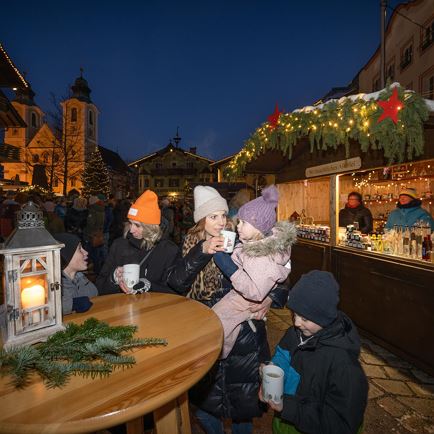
[{"x": 32, "y": 297}]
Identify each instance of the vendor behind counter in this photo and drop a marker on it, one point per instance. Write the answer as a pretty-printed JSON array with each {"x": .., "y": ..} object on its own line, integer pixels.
[
  {"x": 356, "y": 212},
  {"x": 409, "y": 211}
]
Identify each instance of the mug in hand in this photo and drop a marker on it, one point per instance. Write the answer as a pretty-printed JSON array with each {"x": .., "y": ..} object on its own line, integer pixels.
[
  {"x": 272, "y": 383},
  {"x": 229, "y": 242},
  {"x": 131, "y": 274}
]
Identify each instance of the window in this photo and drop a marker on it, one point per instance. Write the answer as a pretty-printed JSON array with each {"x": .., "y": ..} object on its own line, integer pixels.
[
  {"x": 73, "y": 181},
  {"x": 56, "y": 158},
  {"x": 427, "y": 35},
  {"x": 45, "y": 157},
  {"x": 158, "y": 165},
  {"x": 35, "y": 158},
  {"x": 158, "y": 182},
  {"x": 407, "y": 56},
  {"x": 174, "y": 164},
  {"x": 33, "y": 120},
  {"x": 146, "y": 183},
  {"x": 73, "y": 114},
  {"x": 91, "y": 117},
  {"x": 55, "y": 182},
  {"x": 174, "y": 182},
  {"x": 376, "y": 84},
  {"x": 190, "y": 164},
  {"x": 390, "y": 72}
]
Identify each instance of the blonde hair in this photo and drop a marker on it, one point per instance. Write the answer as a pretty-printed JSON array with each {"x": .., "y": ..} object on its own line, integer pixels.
[{"x": 151, "y": 234}]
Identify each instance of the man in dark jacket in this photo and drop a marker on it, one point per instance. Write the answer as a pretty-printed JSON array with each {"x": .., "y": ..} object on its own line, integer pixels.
[
  {"x": 325, "y": 388},
  {"x": 355, "y": 211}
]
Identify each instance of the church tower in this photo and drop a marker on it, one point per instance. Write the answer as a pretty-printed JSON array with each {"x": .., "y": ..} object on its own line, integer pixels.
[
  {"x": 80, "y": 119},
  {"x": 33, "y": 116}
]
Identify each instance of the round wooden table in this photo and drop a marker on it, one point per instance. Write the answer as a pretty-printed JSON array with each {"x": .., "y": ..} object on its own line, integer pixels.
[{"x": 158, "y": 382}]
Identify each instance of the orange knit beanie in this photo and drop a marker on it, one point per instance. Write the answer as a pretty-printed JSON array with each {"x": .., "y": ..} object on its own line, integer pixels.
[{"x": 145, "y": 209}]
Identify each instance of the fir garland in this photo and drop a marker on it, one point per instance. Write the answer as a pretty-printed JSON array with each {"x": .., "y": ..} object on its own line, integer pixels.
[
  {"x": 92, "y": 349},
  {"x": 335, "y": 124}
]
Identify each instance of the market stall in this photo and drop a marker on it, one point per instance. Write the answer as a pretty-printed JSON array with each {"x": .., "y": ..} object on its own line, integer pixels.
[{"x": 318, "y": 155}]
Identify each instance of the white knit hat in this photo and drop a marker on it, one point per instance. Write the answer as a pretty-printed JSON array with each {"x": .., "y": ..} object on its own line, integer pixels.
[{"x": 206, "y": 201}]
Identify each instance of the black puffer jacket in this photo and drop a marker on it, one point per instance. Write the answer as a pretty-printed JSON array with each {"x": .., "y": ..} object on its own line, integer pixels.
[
  {"x": 230, "y": 388},
  {"x": 360, "y": 214},
  {"x": 127, "y": 251}
]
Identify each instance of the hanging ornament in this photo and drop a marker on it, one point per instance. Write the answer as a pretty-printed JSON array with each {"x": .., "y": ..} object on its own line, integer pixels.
[
  {"x": 274, "y": 118},
  {"x": 391, "y": 107}
]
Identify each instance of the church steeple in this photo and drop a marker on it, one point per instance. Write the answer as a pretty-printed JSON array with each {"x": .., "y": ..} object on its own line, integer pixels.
[{"x": 80, "y": 89}]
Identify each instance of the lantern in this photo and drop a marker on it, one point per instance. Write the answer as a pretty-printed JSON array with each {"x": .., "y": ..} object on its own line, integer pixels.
[{"x": 32, "y": 306}]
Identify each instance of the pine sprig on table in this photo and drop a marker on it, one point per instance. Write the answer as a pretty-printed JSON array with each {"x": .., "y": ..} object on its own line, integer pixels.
[{"x": 92, "y": 349}]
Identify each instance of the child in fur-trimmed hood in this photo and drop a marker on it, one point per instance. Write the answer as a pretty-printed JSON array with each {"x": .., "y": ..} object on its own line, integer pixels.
[{"x": 257, "y": 265}]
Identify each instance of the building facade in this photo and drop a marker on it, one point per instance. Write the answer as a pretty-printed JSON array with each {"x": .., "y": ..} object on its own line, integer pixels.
[
  {"x": 170, "y": 170},
  {"x": 409, "y": 42}
]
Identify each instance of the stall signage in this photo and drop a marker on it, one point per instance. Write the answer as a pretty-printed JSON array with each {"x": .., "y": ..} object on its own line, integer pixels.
[{"x": 335, "y": 167}]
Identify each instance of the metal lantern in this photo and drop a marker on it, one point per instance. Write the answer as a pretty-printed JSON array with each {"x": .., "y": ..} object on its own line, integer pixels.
[{"x": 32, "y": 306}]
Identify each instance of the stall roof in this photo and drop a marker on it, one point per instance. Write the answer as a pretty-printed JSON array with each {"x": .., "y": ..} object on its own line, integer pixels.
[{"x": 9, "y": 74}]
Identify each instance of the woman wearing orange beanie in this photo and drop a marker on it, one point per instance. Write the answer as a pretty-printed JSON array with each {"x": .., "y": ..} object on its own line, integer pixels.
[{"x": 140, "y": 244}]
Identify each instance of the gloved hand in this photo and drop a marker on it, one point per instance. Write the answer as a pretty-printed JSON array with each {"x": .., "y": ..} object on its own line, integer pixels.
[
  {"x": 81, "y": 304},
  {"x": 143, "y": 285},
  {"x": 225, "y": 263}
]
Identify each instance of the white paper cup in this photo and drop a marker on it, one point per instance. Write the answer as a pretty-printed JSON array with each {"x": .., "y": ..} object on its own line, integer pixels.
[
  {"x": 131, "y": 274},
  {"x": 272, "y": 383},
  {"x": 229, "y": 242}
]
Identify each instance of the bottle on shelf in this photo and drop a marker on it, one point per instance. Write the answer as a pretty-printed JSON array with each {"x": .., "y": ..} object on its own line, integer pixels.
[{"x": 406, "y": 242}]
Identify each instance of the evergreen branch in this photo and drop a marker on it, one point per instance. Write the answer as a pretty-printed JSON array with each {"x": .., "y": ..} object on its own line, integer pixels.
[{"x": 92, "y": 349}]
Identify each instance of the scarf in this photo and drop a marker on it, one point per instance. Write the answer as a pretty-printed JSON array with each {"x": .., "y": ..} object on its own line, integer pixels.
[{"x": 208, "y": 280}]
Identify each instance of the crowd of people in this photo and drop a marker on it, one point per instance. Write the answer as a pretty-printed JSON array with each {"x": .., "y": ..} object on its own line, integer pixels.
[{"x": 325, "y": 389}]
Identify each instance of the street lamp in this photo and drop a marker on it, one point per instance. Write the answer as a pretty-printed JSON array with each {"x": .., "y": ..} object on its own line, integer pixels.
[{"x": 30, "y": 265}]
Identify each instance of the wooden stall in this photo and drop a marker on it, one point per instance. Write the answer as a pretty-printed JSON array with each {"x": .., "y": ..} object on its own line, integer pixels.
[{"x": 390, "y": 298}]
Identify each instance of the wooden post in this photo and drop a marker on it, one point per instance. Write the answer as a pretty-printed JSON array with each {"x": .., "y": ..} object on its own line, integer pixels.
[
  {"x": 334, "y": 209},
  {"x": 173, "y": 417}
]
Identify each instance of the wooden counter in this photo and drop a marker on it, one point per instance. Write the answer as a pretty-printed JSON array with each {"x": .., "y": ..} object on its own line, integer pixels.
[{"x": 157, "y": 382}]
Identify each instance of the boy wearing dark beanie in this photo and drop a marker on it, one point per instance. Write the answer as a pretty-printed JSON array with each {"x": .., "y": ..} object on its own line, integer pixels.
[{"x": 325, "y": 388}]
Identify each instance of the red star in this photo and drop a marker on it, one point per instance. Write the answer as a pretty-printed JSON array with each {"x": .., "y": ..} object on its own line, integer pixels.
[
  {"x": 274, "y": 118},
  {"x": 391, "y": 107}
]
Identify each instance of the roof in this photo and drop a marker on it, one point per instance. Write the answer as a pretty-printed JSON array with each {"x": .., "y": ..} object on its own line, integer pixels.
[
  {"x": 165, "y": 150},
  {"x": 9, "y": 117},
  {"x": 113, "y": 160},
  {"x": 9, "y": 74},
  {"x": 223, "y": 160}
]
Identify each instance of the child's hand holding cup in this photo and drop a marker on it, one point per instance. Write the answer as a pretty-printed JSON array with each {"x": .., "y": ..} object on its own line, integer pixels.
[
  {"x": 229, "y": 240},
  {"x": 272, "y": 386}
]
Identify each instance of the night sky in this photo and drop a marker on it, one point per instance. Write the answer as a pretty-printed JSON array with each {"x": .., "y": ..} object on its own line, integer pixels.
[{"x": 214, "y": 68}]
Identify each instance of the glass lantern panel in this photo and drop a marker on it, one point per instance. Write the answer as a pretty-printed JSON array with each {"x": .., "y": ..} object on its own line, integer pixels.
[
  {"x": 41, "y": 263},
  {"x": 26, "y": 265},
  {"x": 34, "y": 290}
]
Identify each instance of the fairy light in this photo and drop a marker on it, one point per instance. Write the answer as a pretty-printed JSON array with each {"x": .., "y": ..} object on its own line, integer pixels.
[{"x": 13, "y": 66}]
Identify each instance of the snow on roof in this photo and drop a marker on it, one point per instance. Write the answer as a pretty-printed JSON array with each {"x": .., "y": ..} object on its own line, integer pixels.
[{"x": 364, "y": 96}]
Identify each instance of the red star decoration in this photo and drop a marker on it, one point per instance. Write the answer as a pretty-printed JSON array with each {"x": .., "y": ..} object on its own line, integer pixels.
[
  {"x": 274, "y": 118},
  {"x": 391, "y": 107}
]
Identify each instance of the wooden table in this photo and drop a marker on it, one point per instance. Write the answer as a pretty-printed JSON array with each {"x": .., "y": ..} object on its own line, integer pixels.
[{"x": 158, "y": 382}]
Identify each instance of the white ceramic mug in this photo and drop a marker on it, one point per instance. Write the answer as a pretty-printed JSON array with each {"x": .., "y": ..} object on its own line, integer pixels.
[
  {"x": 131, "y": 274},
  {"x": 272, "y": 383},
  {"x": 229, "y": 242}
]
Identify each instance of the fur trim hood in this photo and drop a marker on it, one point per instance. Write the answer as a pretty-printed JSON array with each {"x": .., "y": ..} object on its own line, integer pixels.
[{"x": 283, "y": 236}]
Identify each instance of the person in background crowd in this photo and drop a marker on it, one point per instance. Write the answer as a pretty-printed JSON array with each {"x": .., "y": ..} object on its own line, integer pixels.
[
  {"x": 325, "y": 388},
  {"x": 76, "y": 287},
  {"x": 76, "y": 217},
  {"x": 230, "y": 388},
  {"x": 169, "y": 216},
  {"x": 55, "y": 224},
  {"x": 93, "y": 232},
  {"x": 409, "y": 211},
  {"x": 356, "y": 212},
  {"x": 241, "y": 197},
  {"x": 140, "y": 244},
  {"x": 8, "y": 209},
  {"x": 120, "y": 212},
  {"x": 108, "y": 220},
  {"x": 60, "y": 208}
]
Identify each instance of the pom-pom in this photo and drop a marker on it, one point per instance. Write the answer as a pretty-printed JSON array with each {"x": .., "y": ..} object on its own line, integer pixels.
[{"x": 271, "y": 194}]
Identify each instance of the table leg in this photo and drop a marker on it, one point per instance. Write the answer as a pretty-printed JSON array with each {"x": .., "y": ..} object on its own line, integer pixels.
[
  {"x": 173, "y": 417},
  {"x": 135, "y": 426}
]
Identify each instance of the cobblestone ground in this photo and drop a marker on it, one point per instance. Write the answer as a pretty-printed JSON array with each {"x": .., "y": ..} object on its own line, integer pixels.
[{"x": 401, "y": 397}]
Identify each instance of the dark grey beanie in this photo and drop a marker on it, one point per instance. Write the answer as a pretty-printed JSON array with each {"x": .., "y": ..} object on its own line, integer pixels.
[
  {"x": 315, "y": 297},
  {"x": 71, "y": 242}
]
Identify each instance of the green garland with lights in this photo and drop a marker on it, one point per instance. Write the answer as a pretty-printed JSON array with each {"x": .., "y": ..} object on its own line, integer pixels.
[
  {"x": 92, "y": 349},
  {"x": 335, "y": 124}
]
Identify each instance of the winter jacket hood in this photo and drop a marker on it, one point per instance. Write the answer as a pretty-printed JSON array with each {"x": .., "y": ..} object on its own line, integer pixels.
[{"x": 283, "y": 236}]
